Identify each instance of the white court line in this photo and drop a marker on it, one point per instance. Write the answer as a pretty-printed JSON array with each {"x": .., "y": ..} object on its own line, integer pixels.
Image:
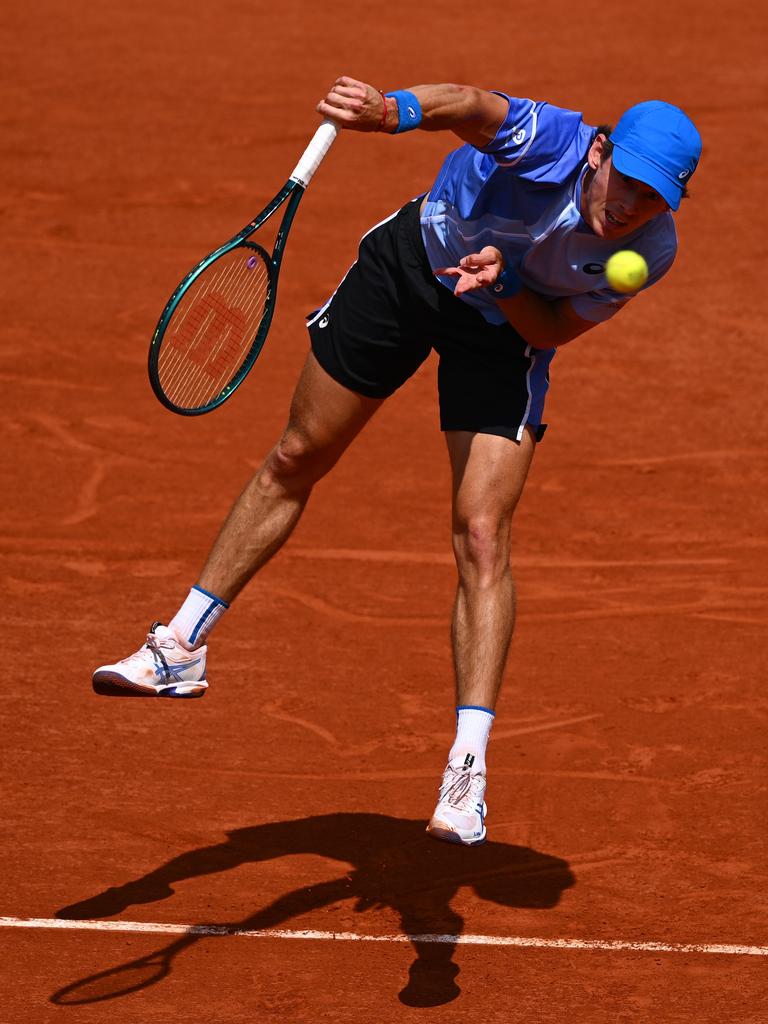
[{"x": 458, "y": 940}]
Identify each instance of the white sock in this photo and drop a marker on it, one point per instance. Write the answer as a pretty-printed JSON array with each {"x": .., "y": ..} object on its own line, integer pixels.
[
  {"x": 197, "y": 616},
  {"x": 473, "y": 727}
]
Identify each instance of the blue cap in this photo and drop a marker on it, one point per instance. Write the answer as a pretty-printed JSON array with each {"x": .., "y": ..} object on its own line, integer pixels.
[{"x": 658, "y": 144}]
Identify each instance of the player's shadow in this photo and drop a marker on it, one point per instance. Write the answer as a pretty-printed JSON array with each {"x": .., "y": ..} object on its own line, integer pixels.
[{"x": 394, "y": 865}]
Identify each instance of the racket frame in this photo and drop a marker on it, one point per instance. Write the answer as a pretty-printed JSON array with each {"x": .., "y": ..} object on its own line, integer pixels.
[{"x": 290, "y": 194}]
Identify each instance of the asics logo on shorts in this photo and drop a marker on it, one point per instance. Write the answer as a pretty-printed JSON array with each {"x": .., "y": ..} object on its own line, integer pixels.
[{"x": 324, "y": 321}]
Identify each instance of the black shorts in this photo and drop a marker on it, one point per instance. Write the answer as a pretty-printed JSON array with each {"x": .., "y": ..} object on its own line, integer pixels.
[{"x": 388, "y": 314}]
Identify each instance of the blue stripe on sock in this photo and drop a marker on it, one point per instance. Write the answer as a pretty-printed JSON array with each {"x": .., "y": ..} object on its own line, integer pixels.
[
  {"x": 474, "y": 707},
  {"x": 200, "y": 622},
  {"x": 213, "y": 597}
]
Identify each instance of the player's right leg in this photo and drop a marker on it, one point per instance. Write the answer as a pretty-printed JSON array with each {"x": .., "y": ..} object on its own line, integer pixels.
[
  {"x": 325, "y": 418},
  {"x": 364, "y": 346}
]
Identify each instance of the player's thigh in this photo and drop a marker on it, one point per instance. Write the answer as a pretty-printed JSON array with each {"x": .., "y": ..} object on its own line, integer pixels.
[
  {"x": 325, "y": 416},
  {"x": 489, "y": 473}
]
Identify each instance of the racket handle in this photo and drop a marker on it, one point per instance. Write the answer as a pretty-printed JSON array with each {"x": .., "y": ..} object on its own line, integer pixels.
[{"x": 314, "y": 153}]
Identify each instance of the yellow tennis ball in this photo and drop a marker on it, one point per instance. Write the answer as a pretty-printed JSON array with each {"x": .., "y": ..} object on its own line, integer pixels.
[{"x": 626, "y": 271}]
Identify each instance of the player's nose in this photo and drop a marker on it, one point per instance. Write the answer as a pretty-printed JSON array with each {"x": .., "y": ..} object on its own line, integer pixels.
[
  {"x": 627, "y": 208},
  {"x": 630, "y": 200}
]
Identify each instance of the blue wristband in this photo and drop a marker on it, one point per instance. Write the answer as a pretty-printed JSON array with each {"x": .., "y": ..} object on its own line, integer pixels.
[
  {"x": 508, "y": 284},
  {"x": 408, "y": 111}
]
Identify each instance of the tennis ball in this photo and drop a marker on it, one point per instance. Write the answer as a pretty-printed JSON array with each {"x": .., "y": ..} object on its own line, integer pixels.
[{"x": 626, "y": 271}]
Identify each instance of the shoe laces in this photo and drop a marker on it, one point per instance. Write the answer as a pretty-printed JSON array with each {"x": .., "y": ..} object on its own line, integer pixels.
[
  {"x": 463, "y": 791},
  {"x": 152, "y": 645}
]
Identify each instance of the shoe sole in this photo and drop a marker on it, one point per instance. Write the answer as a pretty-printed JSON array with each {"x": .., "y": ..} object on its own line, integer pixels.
[
  {"x": 447, "y": 835},
  {"x": 109, "y": 684}
]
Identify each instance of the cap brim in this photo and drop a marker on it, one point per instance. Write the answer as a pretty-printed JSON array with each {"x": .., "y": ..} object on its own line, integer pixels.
[{"x": 643, "y": 170}]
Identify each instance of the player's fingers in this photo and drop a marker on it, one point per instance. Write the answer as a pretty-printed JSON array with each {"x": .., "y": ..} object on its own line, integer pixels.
[
  {"x": 348, "y": 92},
  {"x": 470, "y": 262},
  {"x": 342, "y": 102},
  {"x": 353, "y": 104},
  {"x": 447, "y": 272},
  {"x": 484, "y": 258},
  {"x": 465, "y": 284},
  {"x": 347, "y": 81},
  {"x": 473, "y": 282},
  {"x": 336, "y": 113}
]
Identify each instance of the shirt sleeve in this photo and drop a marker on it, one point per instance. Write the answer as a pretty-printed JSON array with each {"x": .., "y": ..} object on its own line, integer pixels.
[
  {"x": 603, "y": 303},
  {"x": 539, "y": 142},
  {"x": 598, "y": 306}
]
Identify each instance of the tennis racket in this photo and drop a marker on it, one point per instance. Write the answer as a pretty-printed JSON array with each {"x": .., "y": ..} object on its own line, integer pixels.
[{"x": 215, "y": 323}]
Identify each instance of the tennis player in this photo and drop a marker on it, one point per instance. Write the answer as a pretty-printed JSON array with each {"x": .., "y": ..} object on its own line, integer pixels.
[{"x": 500, "y": 264}]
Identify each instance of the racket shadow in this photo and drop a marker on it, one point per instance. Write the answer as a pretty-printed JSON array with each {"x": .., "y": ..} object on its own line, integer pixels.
[{"x": 394, "y": 865}]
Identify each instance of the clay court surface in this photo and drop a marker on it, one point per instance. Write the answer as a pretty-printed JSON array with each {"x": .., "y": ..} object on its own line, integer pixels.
[{"x": 627, "y": 770}]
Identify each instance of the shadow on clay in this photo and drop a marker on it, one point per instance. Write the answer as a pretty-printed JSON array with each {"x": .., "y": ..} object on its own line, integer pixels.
[{"x": 395, "y": 866}]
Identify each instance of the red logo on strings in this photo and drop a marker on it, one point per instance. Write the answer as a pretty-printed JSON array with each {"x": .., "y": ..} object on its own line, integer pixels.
[{"x": 212, "y": 334}]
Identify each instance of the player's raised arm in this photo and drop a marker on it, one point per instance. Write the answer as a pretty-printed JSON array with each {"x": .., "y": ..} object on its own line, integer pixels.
[{"x": 475, "y": 115}]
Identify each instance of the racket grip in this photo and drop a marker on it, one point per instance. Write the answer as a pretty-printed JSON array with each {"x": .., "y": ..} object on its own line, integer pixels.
[{"x": 313, "y": 155}]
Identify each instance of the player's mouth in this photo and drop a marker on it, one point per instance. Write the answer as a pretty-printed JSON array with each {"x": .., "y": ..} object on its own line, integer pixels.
[{"x": 614, "y": 221}]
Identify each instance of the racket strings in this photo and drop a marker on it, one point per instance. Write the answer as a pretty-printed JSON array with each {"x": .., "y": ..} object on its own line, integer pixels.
[
  {"x": 211, "y": 330},
  {"x": 209, "y": 341}
]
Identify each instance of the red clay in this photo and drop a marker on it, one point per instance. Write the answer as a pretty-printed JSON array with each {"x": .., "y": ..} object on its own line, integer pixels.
[{"x": 627, "y": 792}]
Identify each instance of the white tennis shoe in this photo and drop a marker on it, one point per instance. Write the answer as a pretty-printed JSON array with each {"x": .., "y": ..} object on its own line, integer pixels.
[
  {"x": 161, "y": 668},
  {"x": 460, "y": 813}
]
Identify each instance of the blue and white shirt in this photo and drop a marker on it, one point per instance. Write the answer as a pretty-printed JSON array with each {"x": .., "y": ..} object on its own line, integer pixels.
[{"x": 521, "y": 193}]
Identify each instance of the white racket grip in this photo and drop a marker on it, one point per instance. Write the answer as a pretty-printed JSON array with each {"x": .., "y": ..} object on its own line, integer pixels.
[{"x": 313, "y": 155}]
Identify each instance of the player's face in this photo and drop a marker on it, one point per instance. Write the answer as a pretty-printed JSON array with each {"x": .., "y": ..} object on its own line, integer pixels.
[{"x": 613, "y": 204}]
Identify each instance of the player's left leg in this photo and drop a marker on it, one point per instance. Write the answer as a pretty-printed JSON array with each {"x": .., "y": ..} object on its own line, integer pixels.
[{"x": 489, "y": 473}]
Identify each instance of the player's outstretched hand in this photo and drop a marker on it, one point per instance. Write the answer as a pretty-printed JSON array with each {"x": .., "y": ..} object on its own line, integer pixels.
[
  {"x": 353, "y": 104},
  {"x": 478, "y": 270}
]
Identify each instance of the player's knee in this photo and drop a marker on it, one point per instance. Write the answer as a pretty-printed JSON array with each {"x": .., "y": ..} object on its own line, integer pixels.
[
  {"x": 481, "y": 547},
  {"x": 293, "y": 464}
]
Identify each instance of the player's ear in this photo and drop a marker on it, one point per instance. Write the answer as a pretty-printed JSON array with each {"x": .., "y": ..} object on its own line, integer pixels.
[{"x": 596, "y": 153}]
